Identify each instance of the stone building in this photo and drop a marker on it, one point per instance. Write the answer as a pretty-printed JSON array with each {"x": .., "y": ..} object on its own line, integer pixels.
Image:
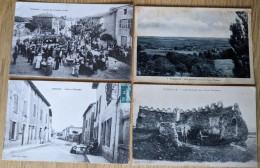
[
  {"x": 124, "y": 25},
  {"x": 72, "y": 133},
  {"x": 118, "y": 25},
  {"x": 110, "y": 122},
  {"x": 212, "y": 124},
  {"x": 47, "y": 22},
  {"x": 28, "y": 117},
  {"x": 88, "y": 124}
]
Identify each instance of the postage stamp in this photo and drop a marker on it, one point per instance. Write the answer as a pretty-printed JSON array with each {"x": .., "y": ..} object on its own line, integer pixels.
[{"x": 125, "y": 93}]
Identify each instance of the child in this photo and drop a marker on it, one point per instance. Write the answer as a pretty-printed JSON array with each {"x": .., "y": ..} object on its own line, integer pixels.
[
  {"x": 115, "y": 66},
  {"x": 107, "y": 62},
  {"x": 76, "y": 70}
]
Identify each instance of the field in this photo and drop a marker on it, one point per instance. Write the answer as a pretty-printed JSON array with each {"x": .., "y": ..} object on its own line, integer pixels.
[
  {"x": 149, "y": 42},
  {"x": 163, "y": 52}
]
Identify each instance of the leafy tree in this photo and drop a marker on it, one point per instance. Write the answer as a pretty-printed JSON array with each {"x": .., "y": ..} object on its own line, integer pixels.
[
  {"x": 18, "y": 19},
  {"x": 239, "y": 42},
  {"x": 31, "y": 26},
  {"x": 181, "y": 68},
  {"x": 163, "y": 66},
  {"x": 75, "y": 30},
  {"x": 96, "y": 32},
  {"x": 203, "y": 69}
]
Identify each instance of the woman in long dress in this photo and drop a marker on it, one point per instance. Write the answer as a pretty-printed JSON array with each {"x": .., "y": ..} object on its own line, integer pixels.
[
  {"x": 38, "y": 59},
  {"x": 48, "y": 70}
]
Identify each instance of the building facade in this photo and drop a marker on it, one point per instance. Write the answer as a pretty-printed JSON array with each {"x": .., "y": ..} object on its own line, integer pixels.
[
  {"x": 28, "y": 117},
  {"x": 124, "y": 25},
  {"x": 118, "y": 25},
  {"x": 110, "y": 122},
  {"x": 72, "y": 134},
  {"x": 47, "y": 23},
  {"x": 88, "y": 124}
]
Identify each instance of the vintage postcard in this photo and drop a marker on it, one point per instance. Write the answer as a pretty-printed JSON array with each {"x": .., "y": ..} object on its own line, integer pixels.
[
  {"x": 194, "y": 125},
  {"x": 67, "y": 122},
  {"x": 193, "y": 45},
  {"x": 63, "y": 40}
]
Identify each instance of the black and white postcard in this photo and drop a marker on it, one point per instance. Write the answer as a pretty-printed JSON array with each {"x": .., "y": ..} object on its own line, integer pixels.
[
  {"x": 194, "y": 125},
  {"x": 67, "y": 122},
  {"x": 63, "y": 40},
  {"x": 193, "y": 45}
]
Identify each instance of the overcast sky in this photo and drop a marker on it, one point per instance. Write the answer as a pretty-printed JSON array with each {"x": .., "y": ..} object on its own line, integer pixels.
[
  {"x": 159, "y": 96},
  {"x": 184, "y": 22},
  {"x": 68, "y": 100},
  {"x": 29, "y": 9}
]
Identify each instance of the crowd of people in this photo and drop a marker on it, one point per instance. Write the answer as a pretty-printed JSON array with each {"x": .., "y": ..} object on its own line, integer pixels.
[{"x": 53, "y": 52}]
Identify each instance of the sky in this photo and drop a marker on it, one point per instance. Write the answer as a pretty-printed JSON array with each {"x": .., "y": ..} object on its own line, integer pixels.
[
  {"x": 184, "y": 22},
  {"x": 29, "y": 9},
  {"x": 163, "y": 96},
  {"x": 68, "y": 100}
]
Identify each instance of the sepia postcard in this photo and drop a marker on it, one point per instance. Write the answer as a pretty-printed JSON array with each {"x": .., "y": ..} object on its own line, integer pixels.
[
  {"x": 67, "y": 122},
  {"x": 63, "y": 40},
  {"x": 194, "y": 125},
  {"x": 193, "y": 45}
]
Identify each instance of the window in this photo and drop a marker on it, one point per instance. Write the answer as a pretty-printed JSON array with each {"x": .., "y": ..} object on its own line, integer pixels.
[
  {"x": 13, "y": 133},
  {"x": 89, "y": 122},
  {"x": 35, "y": 133},
  {"x": 103, "y": 132},
  {"x": 86, "y": 123},
  {"x": 41, "y": 115},
  {"x": 109, "y": 88},
  {"x": 25, "y": 109},
  {"x": 125, "y": 23},
  {"x": 108, "y": 132},
  {"x": 99, "y": 108},
  {"x": 15, "y": 107},
  {"x": 32, "y": 131},
  {"x": 34, "y": 110},
  {"x": 125, "y": 11}
]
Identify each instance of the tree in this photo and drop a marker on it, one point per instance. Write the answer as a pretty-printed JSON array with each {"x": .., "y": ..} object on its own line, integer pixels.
[
  {"x": 239, "y": 42},
  {"x": 18, "y": 19},
  {"x": 75, "y": 30},
  {"x": 163, "y": 66},
  {"x": 95, "y": 32},
  {"x": 181, "y": 68},
  {"x": 31, "y": 26},
  {"x": 203, "y": 69}
]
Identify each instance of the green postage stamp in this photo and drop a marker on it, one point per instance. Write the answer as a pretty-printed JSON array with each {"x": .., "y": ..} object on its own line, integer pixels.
[{"x": 125, "y": 93}]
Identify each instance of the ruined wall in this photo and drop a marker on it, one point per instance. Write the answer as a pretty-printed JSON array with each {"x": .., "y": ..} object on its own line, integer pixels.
[{"x": 215, "y": 122}]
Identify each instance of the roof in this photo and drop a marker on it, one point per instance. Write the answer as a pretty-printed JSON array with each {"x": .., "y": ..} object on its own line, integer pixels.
[
  {"x": 99, "y": 15},
  {"x": 47, "y": 15},
  {"x": 38, "y": 92},
  {"x": 124, "y": 6},
  {"x": 89, "y": 107}
]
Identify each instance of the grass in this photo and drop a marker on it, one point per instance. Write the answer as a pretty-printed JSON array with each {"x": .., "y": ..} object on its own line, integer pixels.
[{"x": 149, "y": 146}]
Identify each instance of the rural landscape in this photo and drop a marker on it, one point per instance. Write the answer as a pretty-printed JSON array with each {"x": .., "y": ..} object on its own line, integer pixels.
[{"x": 220, "y": 57}]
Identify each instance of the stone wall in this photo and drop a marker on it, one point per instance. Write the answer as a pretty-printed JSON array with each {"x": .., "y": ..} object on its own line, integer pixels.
[{"x": 214, "y": 122}]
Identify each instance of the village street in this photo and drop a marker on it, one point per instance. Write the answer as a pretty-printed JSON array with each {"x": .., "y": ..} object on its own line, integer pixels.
[
  {"x": 65, "y": 71},
  {"x": 57, "y": 150}
]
